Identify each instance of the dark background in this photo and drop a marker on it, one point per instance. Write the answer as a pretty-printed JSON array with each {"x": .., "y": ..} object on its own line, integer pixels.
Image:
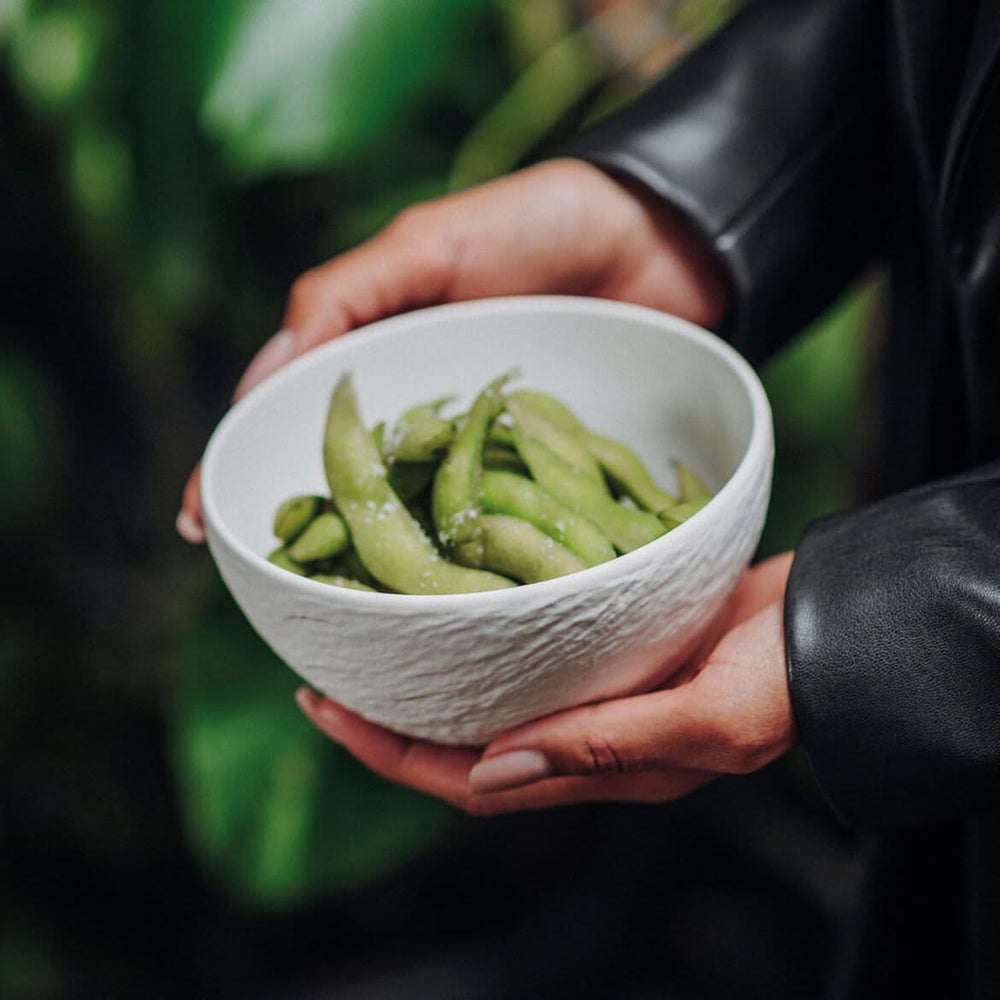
[{"x": 169, "y": 824}]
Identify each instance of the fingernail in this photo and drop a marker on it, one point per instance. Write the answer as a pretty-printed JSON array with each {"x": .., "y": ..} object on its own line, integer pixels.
[
  {"x": 322, "y": 712},
  {"x": 509, "y": 770},
  {"x": 190, "y": 529},
  {"x": 268, "y": 359}
]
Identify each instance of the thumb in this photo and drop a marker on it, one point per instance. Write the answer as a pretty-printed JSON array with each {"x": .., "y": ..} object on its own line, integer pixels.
[
  {"x": 732, "y": 717},
  {"x": 657, "y": 731}
]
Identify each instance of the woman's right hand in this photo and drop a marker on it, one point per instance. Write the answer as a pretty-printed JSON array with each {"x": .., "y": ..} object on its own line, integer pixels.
[{"x": 561, "y": 227}]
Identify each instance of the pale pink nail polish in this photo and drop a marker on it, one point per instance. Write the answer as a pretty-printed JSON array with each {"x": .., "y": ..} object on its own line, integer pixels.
[
  {"x": 189, "y": 528},
  {"x": 509, "y": 770},
  {"x": 304, "y": 698},
  {"x": 331, "y": 720},
  {"x": 279, "y": 349}
]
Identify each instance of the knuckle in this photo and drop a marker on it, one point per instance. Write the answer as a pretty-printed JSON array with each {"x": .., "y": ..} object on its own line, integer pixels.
[
  {"x": 413, "y": 219},
  {"x": 423, "y": 232},
  {"x": 304, "y": 290},
  {"x": 748, "y": 749},
  {"x": 600, "y": 756}
]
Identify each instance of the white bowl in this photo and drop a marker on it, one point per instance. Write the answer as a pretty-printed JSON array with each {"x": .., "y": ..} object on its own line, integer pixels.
[{"x": 462, "y": 668}]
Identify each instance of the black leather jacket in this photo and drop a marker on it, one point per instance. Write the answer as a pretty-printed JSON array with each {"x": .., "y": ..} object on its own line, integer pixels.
[{"x": 808, "y": 139}]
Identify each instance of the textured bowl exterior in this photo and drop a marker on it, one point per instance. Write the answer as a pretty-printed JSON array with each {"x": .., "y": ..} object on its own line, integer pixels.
[{"x": 461, "y": 669}]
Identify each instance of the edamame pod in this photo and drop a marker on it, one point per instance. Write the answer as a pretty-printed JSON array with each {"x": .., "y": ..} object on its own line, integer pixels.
[
  {"x": 690, "y": 487},
  {"x": 627, "y": 529},
  {"x": 386, "y": 536},
  {"x": 501, "y": 432},
  {"x": 624, "y": 467},
  {"x": 280, "y": 557},
  {"x": 325, "y": 537},
  {"x": 349, "y": 564},
  {"x": 421, "y": 434},
  {"x": 455, "y": 491},
  {"x": 680, "y": 512},
  {"x": 520, "y": 550},
  {"x": 508, "y": 493},
  {"x": 554, "y": 410},
  {"x": 378, "y": 436},
  {"x": 293, "y": 516},
  {"x": 563, "y": 443}
]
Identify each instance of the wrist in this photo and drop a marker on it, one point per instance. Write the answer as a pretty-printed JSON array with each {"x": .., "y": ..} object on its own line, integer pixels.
[{"x": 699, "y": 275}]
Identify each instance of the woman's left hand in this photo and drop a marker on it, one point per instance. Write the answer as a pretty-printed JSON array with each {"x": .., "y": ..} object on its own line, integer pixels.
[{"x": 730, "y": 713}]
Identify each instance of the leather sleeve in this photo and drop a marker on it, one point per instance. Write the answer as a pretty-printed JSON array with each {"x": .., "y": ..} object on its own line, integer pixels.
[
  {"x": 767, "y": 138},
  {"x": 892, "y": 629}
]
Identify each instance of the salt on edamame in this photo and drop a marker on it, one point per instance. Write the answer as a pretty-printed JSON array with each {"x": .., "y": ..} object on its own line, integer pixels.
[{"x": 516, "y": 490}]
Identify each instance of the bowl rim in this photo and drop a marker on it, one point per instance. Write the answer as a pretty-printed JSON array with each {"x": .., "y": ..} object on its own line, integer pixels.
[{"x": 761, "y": 438}]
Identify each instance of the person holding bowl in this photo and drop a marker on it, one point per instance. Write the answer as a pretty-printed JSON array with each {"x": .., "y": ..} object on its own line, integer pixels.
[{"x": 805, "y": 141}]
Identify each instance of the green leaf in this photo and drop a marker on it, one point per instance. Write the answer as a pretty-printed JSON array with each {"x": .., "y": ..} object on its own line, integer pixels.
[
  {"x": 815, "y": 388},
  {"x": 273, "y": 809},
  {"x": 301, "y": 84}
]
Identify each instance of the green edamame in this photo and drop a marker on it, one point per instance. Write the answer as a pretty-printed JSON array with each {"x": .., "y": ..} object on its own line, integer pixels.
[
  {"x": 624, "y": 468},
  {"x": 627, "y": 529},
  {"x": 508, "y": 493},
  {"x": 562, "y": 442},
  {"x": 455, "y": 491},
  {"x": 326, "y": 536},
  {"x": 516, "y": 489},
  {"x": 690, "y": 487},
  {"x": 679, "y": 513},
  {"x": 501, "y": 432},
  {"x": 387, "y": 538},
  {"x": 349, "y": 564},
  {"x": 554, "y": 410},
  {"x": 293, "y": 516},
  {"x": 280, "y": 557},
  {"x": 421, "y": 434},
  {"x": 520, "y": 550}
]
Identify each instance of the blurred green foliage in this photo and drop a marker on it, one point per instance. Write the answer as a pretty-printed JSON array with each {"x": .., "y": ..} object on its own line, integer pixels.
[{"x": 168, "y": 168}]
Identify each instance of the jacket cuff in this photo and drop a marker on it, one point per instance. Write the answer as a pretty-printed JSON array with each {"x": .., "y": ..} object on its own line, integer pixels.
[
  {"x": 892, "y": 629},
  {"x": 764, "y": 138}
]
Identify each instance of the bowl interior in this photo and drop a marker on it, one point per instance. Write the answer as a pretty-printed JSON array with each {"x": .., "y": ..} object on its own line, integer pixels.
[{"x": 660, "y": 385}]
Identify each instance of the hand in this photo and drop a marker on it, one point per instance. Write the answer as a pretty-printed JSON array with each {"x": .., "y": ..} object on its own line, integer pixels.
[
  {"x": 563, "y": 226},
  {"x": 729, "y": 714}
]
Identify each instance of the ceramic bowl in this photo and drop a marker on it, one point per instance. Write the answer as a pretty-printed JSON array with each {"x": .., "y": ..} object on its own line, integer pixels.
[{"x": 460, "y": 669}]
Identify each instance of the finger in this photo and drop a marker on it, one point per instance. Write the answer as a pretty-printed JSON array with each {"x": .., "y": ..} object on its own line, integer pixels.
[
  {"x": 426, "y": 767},
  {"x": 733, "y": 717},
  {"x": 406, "y": 266},
  {"x": 444, "y": 771},
  {"x": 647, "y": 787},
  {"x": 190, "y": 524},
  {"x": 651, "y": 732}
]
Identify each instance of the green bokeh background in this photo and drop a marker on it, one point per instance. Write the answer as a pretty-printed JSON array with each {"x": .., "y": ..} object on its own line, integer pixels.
[{"x": 167, "y": 168}]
